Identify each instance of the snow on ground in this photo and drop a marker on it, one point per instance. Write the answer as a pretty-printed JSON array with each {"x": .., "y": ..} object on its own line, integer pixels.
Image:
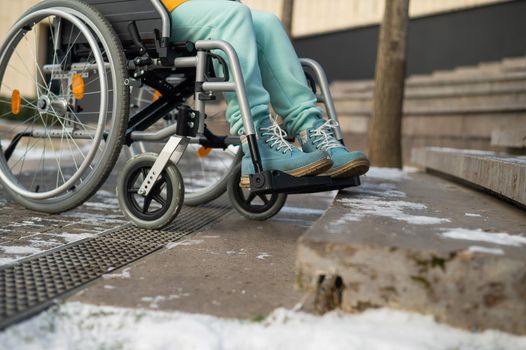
[
  {"x": 186, "y": 242},
  {"x": 385, "y": 200},
  {"x": 80, "y": 326},
  {"x": 391, "y": 174},
  {"x": 485, "y": 250},
  {"x": 488, "y": 237}
]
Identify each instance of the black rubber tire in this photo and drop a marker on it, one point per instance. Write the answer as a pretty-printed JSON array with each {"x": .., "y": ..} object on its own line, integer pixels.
[
  {"x": 174, "y": 200},
  {"x": 243, "y": 204},
  {"x": 115, "y": 138}
]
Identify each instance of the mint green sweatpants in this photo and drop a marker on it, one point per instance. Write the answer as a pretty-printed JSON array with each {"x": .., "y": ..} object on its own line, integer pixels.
[{"x": 270, "y": 66}]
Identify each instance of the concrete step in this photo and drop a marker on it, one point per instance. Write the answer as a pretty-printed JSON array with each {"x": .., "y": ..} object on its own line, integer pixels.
[
  {"x": 431, "y": 103},
  {"x": 501, "y": 175},
  {"x": 518, "y": 108},
  {"x": 420, "y": 243},
  {"x": 430, "y": 81},
  {"x": 454, "y": 125},
  {"x": 479, "y": 89},
  {"x": 512, "y": 138}
]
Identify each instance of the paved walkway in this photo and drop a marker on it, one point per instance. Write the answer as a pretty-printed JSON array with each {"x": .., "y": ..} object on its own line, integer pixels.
[{"x": 238, "y": 268}]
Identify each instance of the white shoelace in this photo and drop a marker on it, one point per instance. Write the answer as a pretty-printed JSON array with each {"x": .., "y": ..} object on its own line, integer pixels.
[
  {"x": 323, "y": 136},
  {"x": 277, "y": 136}
]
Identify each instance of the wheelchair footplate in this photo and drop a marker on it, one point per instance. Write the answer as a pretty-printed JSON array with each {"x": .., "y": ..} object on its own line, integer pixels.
[{"x": 274, "y": 181}]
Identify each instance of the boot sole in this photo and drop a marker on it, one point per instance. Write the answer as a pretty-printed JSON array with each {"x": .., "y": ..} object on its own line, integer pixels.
[
  {"x": 355, "y": 168},
  {"x": 312, "y": 169}
]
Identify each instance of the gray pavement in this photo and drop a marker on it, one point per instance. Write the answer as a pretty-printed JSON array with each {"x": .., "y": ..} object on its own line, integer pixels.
[
  {"x": 24, "y": 232},
  {"x": 237, "y": 268}
]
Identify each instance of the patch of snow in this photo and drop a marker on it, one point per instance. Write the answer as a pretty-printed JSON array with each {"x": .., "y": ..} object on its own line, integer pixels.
[
  {"x": 43, "y": 244},
  {"x": 25, "y": 223},
  {"x": 90, "y": 218},
  {"x": 101, "y": 206},
  {"x": 390, "y": 174},
  {"x": 234, "y": 252},
  {"x": 81, "y": 326},
  {"x": 473, "y": 215},
  {"x": 302, "y": 211},
  {"x": 5, "y": 261},
  {"x": 155, "y": 301},
  {"x": 125, "y": 274},
  {"x": 186, "y": 242},
  {"x": 488, "y": 237},
  {"x": 263, "y": 255},
  {"x": 385, "y": 190},
  {"x": 107, "y": 286},
  {"x": 364, "y": 206},
  {"x": 72, "y": 237},
  {"x": 24, "y": 250},
  {"x": 485, "y": 250}
]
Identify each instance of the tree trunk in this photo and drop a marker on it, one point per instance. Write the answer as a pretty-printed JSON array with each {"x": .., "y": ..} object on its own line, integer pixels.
[
  {"x": 385, "y": 139},
  {"x": 287, "y": 15}
]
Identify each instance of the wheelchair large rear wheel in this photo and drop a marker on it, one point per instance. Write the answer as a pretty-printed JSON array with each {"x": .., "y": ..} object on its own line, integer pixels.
[{"x": 63, "y": 105}]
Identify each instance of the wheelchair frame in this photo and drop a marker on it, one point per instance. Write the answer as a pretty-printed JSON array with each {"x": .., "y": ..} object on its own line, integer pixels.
[
  {"x": 152, "y": 65},
  {"x": 264, "y": 181}
]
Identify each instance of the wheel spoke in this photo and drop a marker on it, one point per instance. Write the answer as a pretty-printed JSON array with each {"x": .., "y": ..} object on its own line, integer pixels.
[
  {"x": 264, "y": 199},
  {"x": 251, "y": 198},
  {"x": 159, "y": 199},
  {"x": 146, "y": 205}
]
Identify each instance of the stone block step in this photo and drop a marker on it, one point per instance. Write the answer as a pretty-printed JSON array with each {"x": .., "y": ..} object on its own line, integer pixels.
[
  {"x": 501, "y": 175},
  {"x": 420, "y": 243},
  {"x": 431, "y": 103},
  {"x": 517, "y": 108},
  {"x": 467, "y": 90},
  {"x": 430, "y": 81},
  {"x": 439, "y": 126},
  {"x": 512, "y": 138}
]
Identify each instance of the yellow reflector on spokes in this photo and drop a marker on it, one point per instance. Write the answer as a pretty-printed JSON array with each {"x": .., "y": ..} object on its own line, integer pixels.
[
  {"x": 15, "y": 102},
  {"x": 77, "y": 86},
  {"x": 203, "y": 152},
  {"x": 156, "y": 95}
]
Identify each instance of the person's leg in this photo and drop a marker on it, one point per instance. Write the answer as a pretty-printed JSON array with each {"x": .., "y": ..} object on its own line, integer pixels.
[
  {"x": 231, "y": 21},
  {"x": 283, "y": 77}
]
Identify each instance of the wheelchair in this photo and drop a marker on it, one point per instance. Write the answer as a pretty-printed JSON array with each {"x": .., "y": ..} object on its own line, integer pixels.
[{"x": 81, "y": 79}]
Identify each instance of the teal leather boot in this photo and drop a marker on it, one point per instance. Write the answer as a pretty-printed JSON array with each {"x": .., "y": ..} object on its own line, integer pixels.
[
  {"x": 346, "y": 163},
  {"x": 278, "y": 154}
]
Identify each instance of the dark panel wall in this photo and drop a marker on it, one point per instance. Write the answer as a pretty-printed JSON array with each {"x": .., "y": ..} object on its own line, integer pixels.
[{"x": 442, "y": 41}]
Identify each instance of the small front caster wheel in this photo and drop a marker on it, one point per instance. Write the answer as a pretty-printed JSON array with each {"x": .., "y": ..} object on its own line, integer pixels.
[
  {"x": 165, "y": 200},
  {"x": 254, "y": 207}
]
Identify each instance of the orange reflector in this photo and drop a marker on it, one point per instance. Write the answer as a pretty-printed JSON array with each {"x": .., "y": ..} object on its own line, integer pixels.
[
  {"x": 203, "y": 152},
  {"x": 77, "y": 86},
  {"x": 156, "y": 95},
  {"x": 15, "y": 102}
]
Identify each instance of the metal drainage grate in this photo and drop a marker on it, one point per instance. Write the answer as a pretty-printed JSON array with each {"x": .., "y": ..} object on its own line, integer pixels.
[{"x": 32, "y": 284}]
